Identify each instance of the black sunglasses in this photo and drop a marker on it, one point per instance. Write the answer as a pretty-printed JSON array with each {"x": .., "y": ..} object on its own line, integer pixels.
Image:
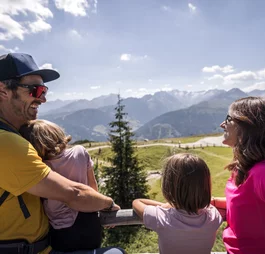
[
  {"x": 228, "y": 119},
  {"x": 35, "y": 91}
]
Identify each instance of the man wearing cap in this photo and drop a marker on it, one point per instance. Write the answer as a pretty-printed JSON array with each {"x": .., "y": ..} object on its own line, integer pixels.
[{"x": 24, "y": 178}]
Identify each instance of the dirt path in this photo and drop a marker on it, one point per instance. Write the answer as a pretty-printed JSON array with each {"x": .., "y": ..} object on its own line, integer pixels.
[{"x": 209, "y": 141}]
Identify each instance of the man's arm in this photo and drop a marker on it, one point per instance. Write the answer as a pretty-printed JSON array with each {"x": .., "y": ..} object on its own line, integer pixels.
[{"x": 77, "y": 196}]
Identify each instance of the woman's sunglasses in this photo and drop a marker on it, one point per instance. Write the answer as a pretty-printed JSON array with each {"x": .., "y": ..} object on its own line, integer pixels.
[
  {"x": 35, "y": 91},
  {"x": 228, "y": 119}
]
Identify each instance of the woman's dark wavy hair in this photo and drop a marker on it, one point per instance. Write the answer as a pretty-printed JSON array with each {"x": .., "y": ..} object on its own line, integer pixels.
[{"x": 249, "y": 115}]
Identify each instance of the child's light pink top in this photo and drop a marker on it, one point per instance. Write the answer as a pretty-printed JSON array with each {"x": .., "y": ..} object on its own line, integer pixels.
[
  {"x": 180, "y": 232},
  {"x": 245, "y": 233},
  {"x": 73, "y": 164}
]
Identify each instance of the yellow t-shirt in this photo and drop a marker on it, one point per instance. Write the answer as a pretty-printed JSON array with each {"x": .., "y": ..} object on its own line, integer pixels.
[{"x": 20, "y": 169}]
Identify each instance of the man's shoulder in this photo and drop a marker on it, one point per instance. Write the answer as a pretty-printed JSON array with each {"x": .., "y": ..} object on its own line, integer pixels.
[
  {"x": 10, "y": 139},
  {"x": 15, "y": 146}
]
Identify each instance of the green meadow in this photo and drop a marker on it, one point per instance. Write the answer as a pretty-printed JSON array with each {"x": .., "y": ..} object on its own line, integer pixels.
[{"x": 151, "y": 158}]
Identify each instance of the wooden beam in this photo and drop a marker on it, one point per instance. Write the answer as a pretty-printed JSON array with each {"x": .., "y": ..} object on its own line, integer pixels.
[
  {"x": 126, "y": 217},
  {"x": 120, "y": 218}
]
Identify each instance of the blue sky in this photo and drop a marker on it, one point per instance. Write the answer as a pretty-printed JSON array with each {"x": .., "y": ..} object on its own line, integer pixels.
[{"x": 137, "y": 47}]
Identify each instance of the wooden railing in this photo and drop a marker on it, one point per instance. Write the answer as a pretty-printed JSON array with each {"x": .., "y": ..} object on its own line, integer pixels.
[
  {"x": 125, "y": 217},
  {"x": 121, "y": 217}
]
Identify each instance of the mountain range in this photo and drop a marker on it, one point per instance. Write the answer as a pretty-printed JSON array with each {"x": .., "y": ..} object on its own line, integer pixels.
[{"x": 162, "y": 115}]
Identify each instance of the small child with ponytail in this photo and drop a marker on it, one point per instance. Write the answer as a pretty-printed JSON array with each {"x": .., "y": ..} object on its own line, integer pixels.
[{"x": 70, "y": 230}]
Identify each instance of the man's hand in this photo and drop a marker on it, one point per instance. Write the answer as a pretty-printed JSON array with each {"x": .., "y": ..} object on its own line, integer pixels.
[{"x": 115, "y": 208}]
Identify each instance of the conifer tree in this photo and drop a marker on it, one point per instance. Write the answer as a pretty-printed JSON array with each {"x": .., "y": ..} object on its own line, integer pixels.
[{"x": 125, "y": 180}]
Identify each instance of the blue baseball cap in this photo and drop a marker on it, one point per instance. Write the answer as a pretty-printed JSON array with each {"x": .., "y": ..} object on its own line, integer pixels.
[{"x": 17, "y": 65}]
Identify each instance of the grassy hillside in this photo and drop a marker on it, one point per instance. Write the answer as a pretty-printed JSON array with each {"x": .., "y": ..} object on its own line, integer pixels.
[{"x": 152, "y": 160}]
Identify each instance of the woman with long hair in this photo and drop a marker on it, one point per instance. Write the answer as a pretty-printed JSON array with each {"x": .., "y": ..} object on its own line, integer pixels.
[{"x": 244, "y": 132}]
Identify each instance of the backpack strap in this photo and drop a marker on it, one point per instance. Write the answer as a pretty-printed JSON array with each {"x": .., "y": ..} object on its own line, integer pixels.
[
  {"x": 6, "y": 127},
  {"x": 4, "y": 196},
  {"x": 23, "y": 207}
]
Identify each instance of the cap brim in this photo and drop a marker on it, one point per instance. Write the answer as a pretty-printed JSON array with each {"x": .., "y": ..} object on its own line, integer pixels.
[{"x": 47, "y": 75}]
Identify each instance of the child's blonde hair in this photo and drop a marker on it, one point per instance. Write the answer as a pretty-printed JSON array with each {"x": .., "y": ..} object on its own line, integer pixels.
[
  {"x": 186, "y": 182},
  {"x": 46, "y": 137}
]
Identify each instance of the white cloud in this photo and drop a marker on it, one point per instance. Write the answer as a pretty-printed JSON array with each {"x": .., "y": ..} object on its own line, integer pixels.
[
  {"x": 129, "y": 57},
  {"x": 261, "y": 73},
  {"x": 166, "y": 8},
  {"x": 216, "y": 76},
  {"x": 192, "y": 8},
  {"x": 215, "y": 68},
  {"x": 47, "y": 66},
  {"x": 94, "y": 87},
  {"x": 11, "y": 28},
  {"x": 142, "y": 57},
  {"x": 3, "y": 48},
  {"x": 166, "y": 88},
  {"x": 38, "y": 7},
  {"x": 74, "y": 95},
  {"x": 144, "y": 91},
  {"x": 139, "y": 93},
  {"x": 35, "y": 14},
  {"x": 259, "y": 86},
  {"x": 227, "y": 69},
  {"x": 125, "y": 57},
  {"x": 39, "y": 25},
  {"x": 209, "y": 69},
  {"x": 243, "y": 75},
  {"x": 75, "y": 34},
  {"x": 242, "y": 79},
  {"x": 95, "y": 6},
  {"x": 75, "y": 7}
]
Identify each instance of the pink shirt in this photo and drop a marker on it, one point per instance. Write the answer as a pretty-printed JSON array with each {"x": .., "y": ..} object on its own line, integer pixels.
[
  {"x": 73, "y": 164},
  {"x": 180, "y": 232},
  {"x": 245, "y": 233}
]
